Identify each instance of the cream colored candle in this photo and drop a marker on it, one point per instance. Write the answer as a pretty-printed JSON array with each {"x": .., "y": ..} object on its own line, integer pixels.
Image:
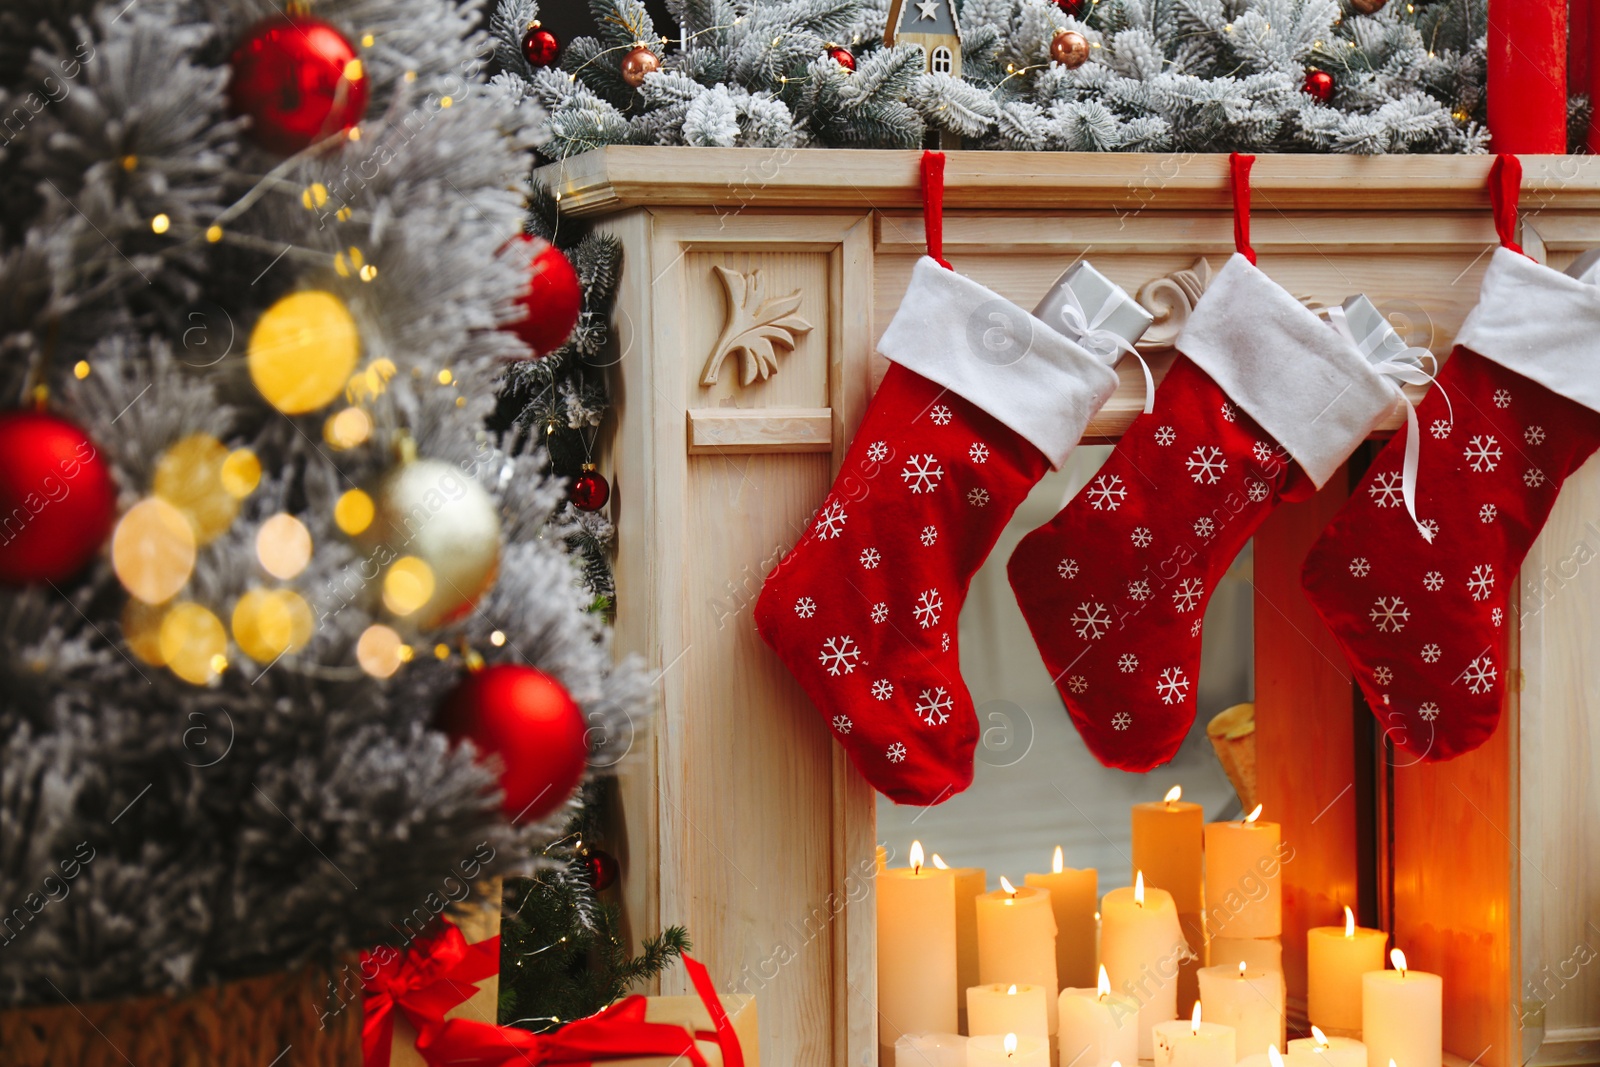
[
  {"x": 1256, "y": 953},
  {"x": 916, "y": 950},
  {"x": 1243, "y": 894},
  {"x": 1193, "y": 1043},
  {"x": 1336, "y": 958},
  {"x": 1008, "y": 1050},
  {"x": 970, "y": 884},
  {"x": 1017, "y": 941},
  {"x": 1330, "y": 1051},
  {"x": 1072, "y": 897},
  {"x": 931, "y": 1050},
  {"x": 1402, "y": 1015},
  {"x": 1272, "y": 1058},
  {"x": 1142, "y": 945},
  {"x": 1166, "y": 847},
  {"x": 1007, "y": 1009},
  {"x": 1098, "y": 1027},
  {"x": 1249, "y": 1001}
]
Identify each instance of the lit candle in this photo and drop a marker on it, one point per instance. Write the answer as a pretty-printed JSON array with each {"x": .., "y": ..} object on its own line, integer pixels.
[
  {"x": 1007, "y": 1009},
  {"x": 1243, "y": 897},
  {"x": 1193, "y": 1043},
  {"x": 970, "y": 884},
  {"x": 1166, "y": 847},
  {"x": 1402, "y": 1015},
  {"x": 1256, "y": 953},
  {"x": 1017, "y": 941},
  {"x": 1142, "y": 945},
  {"x": 930, "y": 1050},
  {"x": 1249, "y": 1001},
  {"x": 1330, "y": 1051},
  {"x": 1098, "y": 1026},
  {"x": 916, "y": 950},
  {"x": 1272, "y": 1058},
  {"x": 1336, "y": 958},
  {"x": 1010, "y": 1050},
  {"x": 1072, "y": 897}
]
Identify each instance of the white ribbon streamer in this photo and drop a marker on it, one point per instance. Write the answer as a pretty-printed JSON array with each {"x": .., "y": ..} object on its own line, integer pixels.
[{"x": 1101, "y": 342}]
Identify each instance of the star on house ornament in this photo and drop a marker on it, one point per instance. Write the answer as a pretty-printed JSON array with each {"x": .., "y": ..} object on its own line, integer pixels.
[{"x": 927, "y": 9}]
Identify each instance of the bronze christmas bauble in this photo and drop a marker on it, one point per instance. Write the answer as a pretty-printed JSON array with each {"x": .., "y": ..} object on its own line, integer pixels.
[
  {"x": 637, "y": 63},
  {"x": 1069, "y": 48},
  {"x": 1368, "y": 7}
]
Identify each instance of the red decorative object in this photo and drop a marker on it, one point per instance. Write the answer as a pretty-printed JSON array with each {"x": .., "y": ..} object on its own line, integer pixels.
[
  {"x": 1072, "y": 7},
  {"x": 602, "y": 869},
  {"x": 299, "y": 80},
  {"x": 539, "y": 46},
  {"x": 532, "y": 724},
  {"x": 1318, "y": 85},
  {"x": 637, "y": 63},
  {"x": 1368, "y": 7},
  {"x": 56, "y": 496},
  {"x": 553, "y": 301},
  {"x": 590, "y": 491},
  {"x": 1069, "y": 48},
  {"x": 842, "y": 56},
  {"x": 1527, "y": 78}
]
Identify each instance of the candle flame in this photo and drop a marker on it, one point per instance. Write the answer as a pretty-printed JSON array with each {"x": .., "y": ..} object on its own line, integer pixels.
[
  {"x": 1254, "y": 815},
  {"x": 1138, "y": 888},
  {"x": 1011, "y": 1045},
  {"x": 1174, "y": 794},
  {"x": 1398, "y": 958},
  {"x": 1241, "y": 968},
  {"x": 1349, "y": 922},
  {"x": 1056, "y": 864},
  {"x": 1273, "y": 1056},
  {"x": 916, "y": 857},
  {"x": 1194, "y": 1021},
  {"x": 1005, "y": 883},
  {"x": 1012, "y": 991},
  {"x": 1319, "y": 1037},
  {"x": 1104, "y": 984},
  {"x": 939, "y": 863}
]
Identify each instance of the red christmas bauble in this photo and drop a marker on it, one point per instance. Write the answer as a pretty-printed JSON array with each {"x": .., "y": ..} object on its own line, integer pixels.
[
  {"x": 532, "y": 724},
  {"x": 1319, "y": 84},
  {"x": 843, "y": 57},
  {"x": 602, "y": 869},
  {"x": 1072, "y": 7},
  {"x": 539, "y": 46},
  {"x": 553, "y": 301},
  {"x": 299, "y": 80},
  {"x": 56, "y": 496},
  {"x": 590, "y": 490}
]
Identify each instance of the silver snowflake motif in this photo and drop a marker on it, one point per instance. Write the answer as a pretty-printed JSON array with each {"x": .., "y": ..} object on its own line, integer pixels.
[
  {"x": 1187, "y": 595},
  {"x": 1172, "y": 686},
  {"x": 1165, "y": 436},
  {"x": 1141, "y": 537},
  {"x": 928, "y": 536},
  {"x": 1482, "y": 452},
  {"x": 1091, "y": 621},
  {"x": 842, "y": 723},
  {"x": 1078, "y": 684},
  {"x": 1497, "y": 616},
  {"x": 896, "y": 753},
  {"x": 1431, "y": 653},
  {"x": 1121, "y": 721},
  {"x": 1434, "y": 581},
  {"x": 882, "y": 689},
  {"x": 1487, "y": 513},
  {"x": 805, "y": 607},
  {"x": 1390, "y": 614},
  {"x": 1128, "y": 663},
  {"x": 1533, "y": 478},
  {"x": 1502, "y": 398},
  {"x": 1204, "y": 527},
  {"x": 944, "y": 642},
  {"x": 878, "y": 451},
  {"x": 1441, "y": 429},
  {"x": 933, "y": 706},
  {"x": 870, "y": 558},
  {"x": 1067, "y": 568},
  {"x": 1139, "y": 589},
  {"x": 979, "y": 452},
  {"x": 1430, "y": 525},
  {"x": 1257, "y": 491},
  {"x": 1429, "y": 711},
  {"x": 880, "y": 612},
  {"x": 1481, "y": 581},
  {"x": 1263, "y": 452},
  {"x": 1229, "y": 412},
  {"x": 1382, "y": 675},
  {"x": 978, "y": 498},
  {"x": 1479, "y": 675},
  {"x": 830, "y": 521},
  {"x": 1206, "y": 465},
  {"x": 922, "y": 473},
  {"x": 1385, "y": 490},
  {"x": 1194, "y": 631},
  {"x": 1534, "y": 435},
  {"x": 1107, "y": 493},
  {"x": 839, "y": 655},
  {"x": 1360, "y": 567},
  {"x": 928, "y": 608},
  {"x": 941, "y": 416}
]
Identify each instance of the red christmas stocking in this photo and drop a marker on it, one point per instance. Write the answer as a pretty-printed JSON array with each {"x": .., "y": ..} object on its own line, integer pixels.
[
  {"x": 1424, "y": 625},
  {"x": 981, "y": 398}
]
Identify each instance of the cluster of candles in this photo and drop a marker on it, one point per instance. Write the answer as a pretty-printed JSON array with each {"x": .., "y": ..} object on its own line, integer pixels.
[{"x": 1043, "y": 973}]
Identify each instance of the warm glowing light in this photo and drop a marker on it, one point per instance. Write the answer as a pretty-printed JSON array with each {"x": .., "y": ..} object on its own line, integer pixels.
[
  {"x": 1104, "y": 984},
  {"x": 1319, "y": 1037},
  {"x": 153, "y": 550},
  {"x": 378, "y": 651},
  {"x": 141, "y": 629},
  {"x": 445, "y": 377},
  {"x": 241, "y": 473},
  {"x": 267, "y": 623},
  {"x": 1194, "y": 1020},
  {"x": 1241, "y": 968},
  {"x": 353, "y": 511},
  {"x": 1138, "y": 888},
  {"x": 1349, "y": 922},
  {"x": 347, "y": 428},
  {"x": 302, "y": 350},
  {"x": 441, "y": 651},
  {"x": 1056, "y": 861},
  {"x": 213, "y": 233},
  {"x": 408, "y": 585},
  {"x": 1011, "y": 1044},
  {"x": 80, "y": 369},
  {"x": 313, "y": 196},
  {"x": 1398, "y": 958},
  {"x": 1174, "y": 794},
  {"x": 1011, "y": 992},
  {"x": 939, "y": 864},
  {"x": 1005, "y": 883},
  {"x": 283, "y": 545},
  {"x": 1254, "y": 815},
  {"x": 498, "y": 638},
  {"x": 161, "y": 223},
  {"x": 189, "y": 477},
  {"x": 352, "y": 70},
  {"x": 1274, "y": 1056},
  {"x": 191, "y": 640},
  {"x": 916, "y": 857}
]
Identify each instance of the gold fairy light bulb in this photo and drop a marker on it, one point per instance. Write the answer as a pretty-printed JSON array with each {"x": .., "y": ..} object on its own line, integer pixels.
[
  {"x": 347, "y": 428},
  {"x": 378, "y": 650},
  {"x": 192, "y": 639},
  {"x": 408, "y": 585},
  {"x": 241, "y": 473},
  {"x": 302, "y": 350},
  {"x": 283, "y": 546},
  {"x": 153, "y": 550},
  {"x": 353, "y": 511},
  {"x": 267, "y": 623},
  {"x": 189, "y": 476}
]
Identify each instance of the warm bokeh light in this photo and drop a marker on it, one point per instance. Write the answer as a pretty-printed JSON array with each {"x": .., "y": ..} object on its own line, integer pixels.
[
  {"x": 283, "y": 545},
  {"x": 192, "y": 639},
  {"x": 353, "y": 512},
  {"x": 267, "y": 623},
  {"x": 407, "y": 585},
  {"x": 141, "y": 629},
  {"x": 378, "y": 651},
  {"x": 302, "y": 350},
  {"x": 347, "y": 428},
  {"x": 241, "y": 473},
  {"x": 189, "y": 477},
  {"x": 153, "y": 550}
]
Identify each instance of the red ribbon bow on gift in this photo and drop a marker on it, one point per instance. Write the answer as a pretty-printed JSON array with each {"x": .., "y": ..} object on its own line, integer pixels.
[{"x": 435, "y": 976}]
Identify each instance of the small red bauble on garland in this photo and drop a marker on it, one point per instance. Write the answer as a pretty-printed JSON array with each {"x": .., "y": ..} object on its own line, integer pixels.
[
  {"x": 553, "y": 301},
  {"x": 1069, "y": 48},
  {"x": 590, "y": 490},
  {"x": 601, "y": 868},
  {"x": 1368, "y": 7},
  {"x": 539, "y": 46},
  {"x": 637, "y": 63},
  {"x": 532, "y": 724},
  {"x": 57, "y": 497},
  {"x": 1318, "y": 85},
  {"x": 299, "y": 80},
  {"x": 1072, "y": 7},
  {"x": 842, "y": 56}
]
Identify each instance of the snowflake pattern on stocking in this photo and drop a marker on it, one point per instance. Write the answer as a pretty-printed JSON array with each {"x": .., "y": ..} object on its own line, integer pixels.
[
  {"x": 870, "y": 558},
  {"x": 839, "y": 655},
  {"x": 1165, "y": 436},
  {"x": 1106, "y": 493},
  {"x": 1480, "y": 583},
  {"x": 1091, "y": 621},
  {"x": 1482, "y": 452},
  {"x": 882, "y": 689},
  {"x": 805, "y": 607},
  {"x": 1141, "y": 537},
  {"x": 1121, "y": 721},
  {"x": 880, "y": 612},
  {"x": 1534, "y": 435},
  {"x": 1127, "y": 663},
  {"x": 1390, "y": 614},
  {"x": 1487, "y": 513},
  {"x": 1187, "y": 595},
  {"x": 896, "y": 753},
  {"x": 1441, "y": 429},
  {"x": 1139, "y": 589},
  {"x": 1382, "y": 675},
  {"x": 878, "y": 451},
  {"x": 1229, "y": 412},
  {"x": 978, "y": 498},
  {"x": 928, "y": 536},
  {"x": 842, "y": 723},
  {"x": 1385, "y": 490},
  {"x": 1433, "y": 581},
  {"x": 979, "y": 452},
  {"x": 1078, "y": 684},
  {"x": 1497, "y": 616},
  {"x": 830, "y": 522},
  {"x": 1360, "y": 567},
  {"x": 1429, "y": 711},
  {"x": 929, "y": 606},
  {"x": 922, "y": 474},
  {"x": 1172, "y": 687},
  {"x": 1502, "y": 398},
  {"x": 1479, "y": 675},
  {"x": 941, "y": 415},
  {"x": 1067, "y": 568},
  {"x": 1533, "y": 478},
  {"x": 1204, "y": 527},
  {"x": 1431, "y": 652},
  {"x": 933, "y": 706},
  {"x": 1206, "y": 465},
  {"x": 1257, "y": 491}
]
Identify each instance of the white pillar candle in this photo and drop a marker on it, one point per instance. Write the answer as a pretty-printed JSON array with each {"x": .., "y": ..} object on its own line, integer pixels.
[
  {"x": 1098, "y": 1027},
  {"x": 971, "y": 882},
  {"x": 1141, "y": 945},
  {"x": 1243, "y": 895},
  {"x": 1249, "y": 1001},
  {"x": 1336, "y": 958},
  {"x": 916, "y": 950},
  {"x": 1007, "y": 1009},
  {"x": 1330, "y": 1051},
  {"x": 1017, "y": 941},
  {"x": 1256, "y": 953},
  {"x": 1009, "y": 1050},
  {"x": 1072, "y": 897},
  {"x": 1402, "y": 1016},
  {"x": 1166, "y": 847},
  {"x": 930, "y": 1050},
  {"x": 1272, "y": 1058},
  {"x": 1192, "y": 1043}
]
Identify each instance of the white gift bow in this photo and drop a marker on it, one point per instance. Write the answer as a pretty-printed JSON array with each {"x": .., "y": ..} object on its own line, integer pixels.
[
  {"x": 1101, "y": 342},
  {"x": 1404, "y": 366}
]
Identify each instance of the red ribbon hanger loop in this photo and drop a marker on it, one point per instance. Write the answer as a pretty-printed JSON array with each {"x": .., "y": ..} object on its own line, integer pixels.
[
  {"x": 933, "y": 205},
  {"x": 1239, "y": 171},
  {"x": 1505, "y": 182}
]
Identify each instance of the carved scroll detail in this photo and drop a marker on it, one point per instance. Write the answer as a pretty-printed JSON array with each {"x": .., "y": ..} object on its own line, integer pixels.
[
  {"x": 756, "y": 328},
  {"x": 1170, "y": 299}
]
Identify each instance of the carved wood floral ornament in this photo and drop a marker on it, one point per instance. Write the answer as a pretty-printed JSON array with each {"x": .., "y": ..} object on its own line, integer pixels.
[{"x": 756, "y": 329}]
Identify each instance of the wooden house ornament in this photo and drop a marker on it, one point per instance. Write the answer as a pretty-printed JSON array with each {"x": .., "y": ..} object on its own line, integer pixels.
[{"x": 933, "y": 25}]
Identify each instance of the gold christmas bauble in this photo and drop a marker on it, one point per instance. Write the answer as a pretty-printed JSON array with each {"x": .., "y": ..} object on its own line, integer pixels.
[
  {"x": 441, "y": 533},
  {"x": 1069, "y": 48},
  {"x": 1368, "y": 7},
  {"x": 637, "y": 63}
]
